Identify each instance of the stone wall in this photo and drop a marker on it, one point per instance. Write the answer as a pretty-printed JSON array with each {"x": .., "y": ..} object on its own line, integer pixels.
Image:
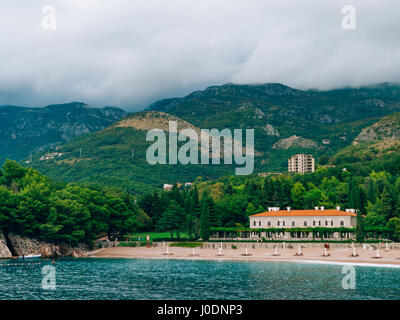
[{"x": 4, "y": 251}]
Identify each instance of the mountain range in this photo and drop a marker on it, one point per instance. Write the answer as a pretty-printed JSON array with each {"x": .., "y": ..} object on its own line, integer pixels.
[
  {"x": 286, "y": 121},
  {"x": 24, "y": 130}
]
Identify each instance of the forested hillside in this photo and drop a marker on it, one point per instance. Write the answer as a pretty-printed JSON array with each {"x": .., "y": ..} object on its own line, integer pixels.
[
  {"x": 32, "y": 205},
  {"x": 286, "y": 121}
]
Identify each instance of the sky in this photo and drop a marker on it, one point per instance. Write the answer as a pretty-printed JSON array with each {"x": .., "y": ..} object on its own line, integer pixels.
[{"x": 130, "y": 53}]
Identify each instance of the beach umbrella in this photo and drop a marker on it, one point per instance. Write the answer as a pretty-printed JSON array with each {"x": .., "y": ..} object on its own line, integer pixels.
[
  {"x": 299, "y": 253},
  {"x": 275, "y": 251}
]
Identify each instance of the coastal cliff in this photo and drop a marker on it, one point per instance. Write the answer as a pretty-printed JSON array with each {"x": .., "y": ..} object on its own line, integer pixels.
[
  {"x": 15, "y": 245},
  {"x": 4, "y": 251}
]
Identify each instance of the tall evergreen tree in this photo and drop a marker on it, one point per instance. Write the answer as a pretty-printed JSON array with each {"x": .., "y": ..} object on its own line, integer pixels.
[
  {"x": 371, "y": 191},
  {"x": 385, "y": 208},
  {"x": 205, "y": 221}
]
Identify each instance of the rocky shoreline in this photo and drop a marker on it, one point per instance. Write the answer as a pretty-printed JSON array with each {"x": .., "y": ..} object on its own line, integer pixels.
[{"x": 15, "y": 245}]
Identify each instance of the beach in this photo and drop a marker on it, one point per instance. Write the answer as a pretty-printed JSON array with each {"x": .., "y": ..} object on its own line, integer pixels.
[{"x": 390, "y": 258}]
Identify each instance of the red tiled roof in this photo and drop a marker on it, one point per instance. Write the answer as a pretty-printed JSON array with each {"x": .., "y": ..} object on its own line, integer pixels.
[{"x": 291, "y": 213}]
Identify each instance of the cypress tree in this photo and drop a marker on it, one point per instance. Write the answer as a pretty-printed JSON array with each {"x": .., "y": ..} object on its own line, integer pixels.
[
  {"x": 371, "y": 191},
  {"x": 205, "y": 221},
  {"x": 351, "y": 193},
  {"x": 396, "y": 213},
  {"x": 385, "y": 208},
  {"x": 213, "y": 213},
  {"x": 361, "y": 199}
]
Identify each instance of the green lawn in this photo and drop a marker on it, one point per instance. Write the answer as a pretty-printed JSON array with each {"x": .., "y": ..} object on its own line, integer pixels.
[{"x": 153, "y": 235}]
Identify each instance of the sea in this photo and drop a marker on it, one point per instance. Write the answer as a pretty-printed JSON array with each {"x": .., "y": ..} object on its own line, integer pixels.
[{"x": 160, "y": 279}]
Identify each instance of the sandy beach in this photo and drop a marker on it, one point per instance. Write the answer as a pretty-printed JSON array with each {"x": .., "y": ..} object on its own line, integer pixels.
[{"x": 389, "y": 258}]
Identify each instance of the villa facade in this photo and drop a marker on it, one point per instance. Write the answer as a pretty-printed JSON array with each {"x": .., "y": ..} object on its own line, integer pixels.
[{"x": 320, "y": 217}]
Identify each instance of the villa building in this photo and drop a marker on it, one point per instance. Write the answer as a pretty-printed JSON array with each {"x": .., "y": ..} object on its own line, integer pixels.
[
  {"x": 301, "y": 163},
  {"x": 319, "y": 217}
]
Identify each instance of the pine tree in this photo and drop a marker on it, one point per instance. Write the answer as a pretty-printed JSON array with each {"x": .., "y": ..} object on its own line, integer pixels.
[
  {"x": 172, "y": 219},
  {"x": 298, "y": 192},
  {"x": 268, "y": 193}
]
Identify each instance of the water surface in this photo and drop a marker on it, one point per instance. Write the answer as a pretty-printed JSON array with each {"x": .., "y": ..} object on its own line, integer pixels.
[{"x": 189, "y": 279}]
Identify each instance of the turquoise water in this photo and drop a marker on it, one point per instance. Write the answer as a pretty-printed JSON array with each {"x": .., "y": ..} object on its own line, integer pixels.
[{"x": 188, "y": 279}]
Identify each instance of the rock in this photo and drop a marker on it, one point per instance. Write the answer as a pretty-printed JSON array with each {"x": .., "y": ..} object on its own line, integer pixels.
[
  {"x": 26, "y": 246},
  {"x": 4, "y": 251},
  {"x": 271, "y": 131},
  {"x": 295, "y": 141},
  {"x": 388, "y": 128}
]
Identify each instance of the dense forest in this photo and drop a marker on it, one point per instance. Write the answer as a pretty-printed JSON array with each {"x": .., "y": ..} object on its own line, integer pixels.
[
  {"x": 32, "y": 205},
  {"x": 227, "y": 202}
]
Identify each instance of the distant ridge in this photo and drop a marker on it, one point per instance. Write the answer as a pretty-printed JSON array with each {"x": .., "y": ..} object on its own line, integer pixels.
[{"x": 27, "y": 129}]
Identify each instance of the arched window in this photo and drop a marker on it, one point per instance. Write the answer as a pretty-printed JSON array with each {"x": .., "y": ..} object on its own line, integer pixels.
[
  {"x": 293, "y": 224},
  {"x": 305, "y": 223},
  {"x": 269, "y": 223}
]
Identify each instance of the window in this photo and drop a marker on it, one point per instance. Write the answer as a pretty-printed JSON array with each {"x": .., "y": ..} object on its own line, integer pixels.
[
  {"x": 332, "y": 223},
  {"x": 293, "y": 224},
  {"x": 313, "y": 223},
  {"x": 326, "y": 223},
  {"x": 279, "y": 223},
  {"x": 255, "y": 223},
  {"x": 305, "y": 223},
  {"x": 341, "y": 223},
  {"x": 259, "y": 223},
  {"x": 319, "y": 223},
  {"x": 269, "y": 223},
  {"x": 283, "y": 223}
]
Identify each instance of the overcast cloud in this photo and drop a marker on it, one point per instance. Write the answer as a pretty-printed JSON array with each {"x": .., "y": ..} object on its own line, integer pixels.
[{"x": 129, "y": 53}]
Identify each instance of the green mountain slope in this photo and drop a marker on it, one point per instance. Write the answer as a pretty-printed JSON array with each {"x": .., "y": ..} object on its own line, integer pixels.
[
  {"x": 24, "y": 130},
  {"x": 286, "y": 121},
  {"x": 105, "y": 157},
  {"x": 330, "y": 120},
  {"x": 377, "y": 146}
]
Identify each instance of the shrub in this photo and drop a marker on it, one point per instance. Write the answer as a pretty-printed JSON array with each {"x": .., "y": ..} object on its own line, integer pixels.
[{"x": 186, "y": 244}]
